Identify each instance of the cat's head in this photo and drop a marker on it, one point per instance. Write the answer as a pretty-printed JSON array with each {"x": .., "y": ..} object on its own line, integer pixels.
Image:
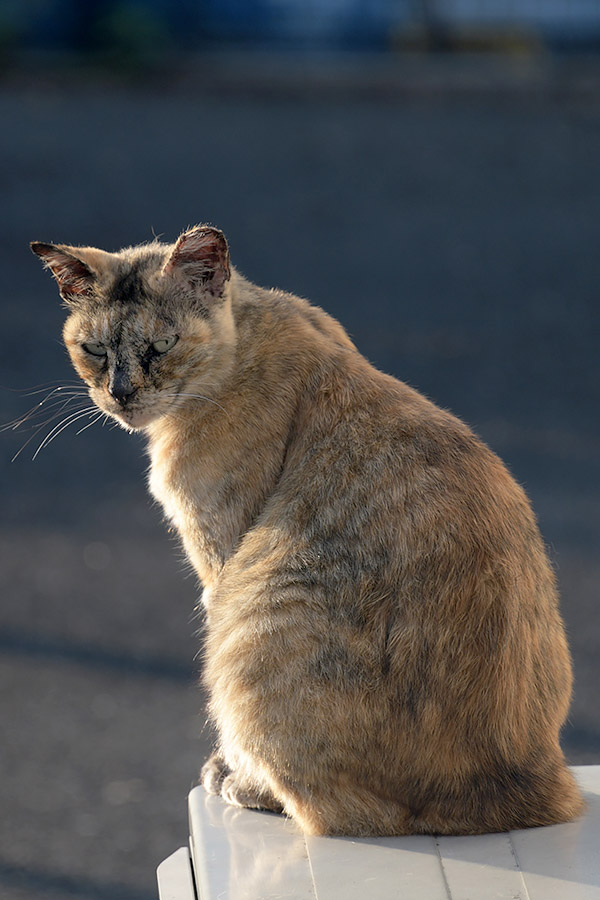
[{"x": 149, "y": 326}]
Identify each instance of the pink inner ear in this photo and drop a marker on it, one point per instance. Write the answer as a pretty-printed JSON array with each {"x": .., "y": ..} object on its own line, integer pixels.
[
  {"x": 73, "y": 276},
  {"x": 195, "y": 246},
  {"x": 202, "y": 256}
]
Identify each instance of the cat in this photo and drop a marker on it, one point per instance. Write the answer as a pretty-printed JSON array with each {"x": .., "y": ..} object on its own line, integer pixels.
[{"x": 384, "y": 651}]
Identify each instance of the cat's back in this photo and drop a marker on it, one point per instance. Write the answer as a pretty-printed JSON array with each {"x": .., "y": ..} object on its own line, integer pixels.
[
  {"x": 395, "y": 579},
  {"x": 371, "y": 461},
  {"x": 364, "y": 441}
]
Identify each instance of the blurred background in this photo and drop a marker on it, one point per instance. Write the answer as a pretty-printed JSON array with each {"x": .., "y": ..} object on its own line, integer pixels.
[{"x": 428, "y": 172}]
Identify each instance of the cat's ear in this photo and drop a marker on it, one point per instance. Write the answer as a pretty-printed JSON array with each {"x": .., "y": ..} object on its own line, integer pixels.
[
  {"x": 200, "y": 258},
  {"x": 75, "y": 279}
]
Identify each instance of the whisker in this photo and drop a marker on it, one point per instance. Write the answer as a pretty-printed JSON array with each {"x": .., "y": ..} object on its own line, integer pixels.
[
  {"x": 20, "y": 420},
  {"x": 93, "y": 422},
  {"x": 57, "y": 406},
  {"x": 69, "y": 420},
  {"x": 38, "y": 427},
  {"x": 63, "y": 400},
  {"x": 89, "y": 425},
  {"x": 50, "y": 393},
  {"x": 194, "y": 397},
  {"x": 72, "y": 386},
  {"x": 44, "y": 386}
]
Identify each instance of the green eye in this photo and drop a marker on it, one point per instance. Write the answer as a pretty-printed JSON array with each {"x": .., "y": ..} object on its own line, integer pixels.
[
  {"x": 95, "y": 349},
  {"x": 164, "y": 344}
]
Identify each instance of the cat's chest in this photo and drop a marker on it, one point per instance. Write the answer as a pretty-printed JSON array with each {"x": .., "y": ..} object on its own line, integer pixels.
[
  {"x": 181, "y": 485},
  {"x": 188, "y": 485}
]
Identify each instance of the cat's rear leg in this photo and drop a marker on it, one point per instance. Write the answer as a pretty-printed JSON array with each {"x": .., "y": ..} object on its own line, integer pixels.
[{"x": 336, "y": 809}]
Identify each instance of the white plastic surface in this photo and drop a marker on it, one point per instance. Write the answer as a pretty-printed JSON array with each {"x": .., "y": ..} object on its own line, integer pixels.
[
  {"x": 241, "y": 854},
  {"x": 175, "y": 878}
]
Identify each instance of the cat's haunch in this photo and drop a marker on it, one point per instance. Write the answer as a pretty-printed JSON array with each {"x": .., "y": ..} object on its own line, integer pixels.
[{"x": 384, "y": 651}]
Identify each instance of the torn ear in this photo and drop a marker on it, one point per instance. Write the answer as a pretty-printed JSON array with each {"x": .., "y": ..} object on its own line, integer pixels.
[
  {"x": 201, "y": 258},
  {"x": 75, "y": 279}
]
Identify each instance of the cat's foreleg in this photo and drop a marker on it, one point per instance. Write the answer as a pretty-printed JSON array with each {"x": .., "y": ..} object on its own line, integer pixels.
[
  {"x": 214, "y": 771},
  {"x": 238, "y": 790}
]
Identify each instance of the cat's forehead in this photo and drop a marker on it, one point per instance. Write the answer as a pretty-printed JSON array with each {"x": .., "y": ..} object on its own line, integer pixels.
[
  {"x": 128, "y": 301},
  {"x": 127, "y": 323},
  {"x": 134, "y": 277},
  {"x": 120, "y": 325}
]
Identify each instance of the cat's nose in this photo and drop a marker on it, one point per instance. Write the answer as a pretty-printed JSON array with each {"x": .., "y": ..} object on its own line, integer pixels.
[
  {"x": 122, "y": 396},
  {"x": 121, "y": 389}
]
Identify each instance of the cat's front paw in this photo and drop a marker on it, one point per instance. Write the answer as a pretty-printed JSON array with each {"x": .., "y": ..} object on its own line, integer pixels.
[
  {"x": 213, "y": 773},
  {"x": 239, "y": 792}
]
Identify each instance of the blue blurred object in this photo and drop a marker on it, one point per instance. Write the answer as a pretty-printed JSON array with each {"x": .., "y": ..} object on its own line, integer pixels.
[
  {"x": 557, "y": 22},
  {"x": 328, "y": 24},
  {"x": 91, "y": 25},
  {"x": 332, "y": 23},
  {"x": 56, "y": 24}
]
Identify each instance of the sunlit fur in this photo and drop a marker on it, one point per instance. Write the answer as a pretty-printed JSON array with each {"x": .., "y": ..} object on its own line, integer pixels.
[
  {"x": 128, "y": 328},
  {"x": 384, "y": 651}
]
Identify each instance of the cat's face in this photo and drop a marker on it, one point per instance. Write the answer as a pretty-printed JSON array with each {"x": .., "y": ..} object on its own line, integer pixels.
[{"x": 149, "y": 328}]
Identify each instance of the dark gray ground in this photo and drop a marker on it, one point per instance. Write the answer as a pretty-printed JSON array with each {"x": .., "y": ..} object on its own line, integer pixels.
[{"x": 455, "y": 234}]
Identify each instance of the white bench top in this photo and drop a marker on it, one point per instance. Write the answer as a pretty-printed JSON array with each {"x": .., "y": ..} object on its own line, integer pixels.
[{"x": 240, "y": 854}]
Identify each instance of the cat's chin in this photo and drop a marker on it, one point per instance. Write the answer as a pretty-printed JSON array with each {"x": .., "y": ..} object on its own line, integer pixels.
[{"x": 134, "y": 420}]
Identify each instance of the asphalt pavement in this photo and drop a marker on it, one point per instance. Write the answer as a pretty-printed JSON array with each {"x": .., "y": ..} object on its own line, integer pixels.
[{"x": 455, "y": 233}]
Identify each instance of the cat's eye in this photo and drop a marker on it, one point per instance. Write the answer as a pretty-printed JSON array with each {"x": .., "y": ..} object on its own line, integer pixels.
[
  {"x": 164, "y": 344},
  {"x": 94, "y": 348}
]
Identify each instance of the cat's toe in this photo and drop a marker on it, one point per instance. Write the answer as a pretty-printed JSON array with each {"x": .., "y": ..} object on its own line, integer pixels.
[
  {"x": 234, "y": 793},
  {"x": 213, "y": 773},
  {"x": 238, "y": 792}
]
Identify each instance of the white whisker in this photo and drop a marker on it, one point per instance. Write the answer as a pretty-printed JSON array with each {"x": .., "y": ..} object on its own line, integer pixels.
[
  {"x": 58, "y": 407},
  {"x": 72, "y": 386},
  {"x": 39, "y": 425},
  {"x": 194, "y": 397},
  {"x": 47, "y": 385},
  {"x": 35, "y": 410},
  {"x": 89, "y": 425},
  {"x": 64, "y": 423}
]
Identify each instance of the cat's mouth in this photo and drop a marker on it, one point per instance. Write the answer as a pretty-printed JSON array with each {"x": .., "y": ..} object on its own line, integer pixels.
[
  {"x": 132, "y": 417},
  {"x": 137, "y": 416},
  {"x": 140, "y": 409}
]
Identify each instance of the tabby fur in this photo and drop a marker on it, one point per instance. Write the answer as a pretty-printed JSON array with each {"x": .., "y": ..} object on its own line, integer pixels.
[{"x": 384, "y": 652}]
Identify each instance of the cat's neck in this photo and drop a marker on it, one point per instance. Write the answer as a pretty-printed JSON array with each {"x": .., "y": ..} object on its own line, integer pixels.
[{"x": 215, "y": 464}]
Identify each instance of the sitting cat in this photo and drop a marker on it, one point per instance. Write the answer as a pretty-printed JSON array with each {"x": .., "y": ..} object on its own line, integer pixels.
[{"x": 384, "y": 651}]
